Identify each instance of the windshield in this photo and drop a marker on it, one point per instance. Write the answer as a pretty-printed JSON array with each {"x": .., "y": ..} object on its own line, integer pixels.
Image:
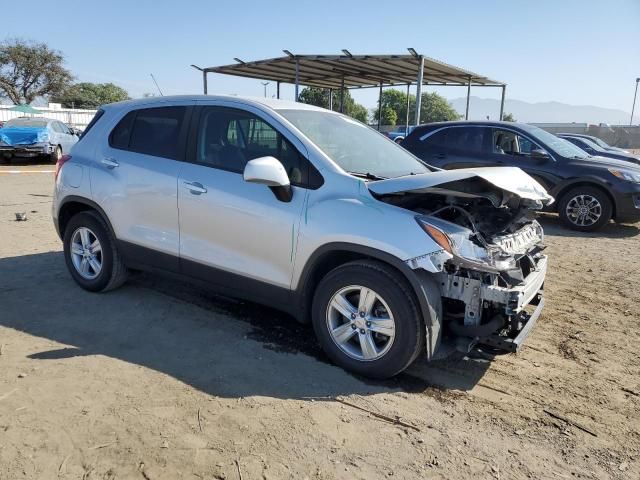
[
  {"x": 600, "y": 142},
  {"x": 355, "y": 147},
  {"x": 558, "y": 145},
  {"x": 26, "y": 122},
  {"x": 593, "y": 145}
]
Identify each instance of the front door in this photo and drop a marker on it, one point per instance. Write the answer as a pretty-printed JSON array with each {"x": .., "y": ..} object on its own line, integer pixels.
[
  {"x": 514, "y": 150},
  {"x": 234, "y": 227}
]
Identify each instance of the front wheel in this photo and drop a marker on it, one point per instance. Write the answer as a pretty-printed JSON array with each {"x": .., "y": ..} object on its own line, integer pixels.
[
  {"x": 367, "y": 320},
  {"x": 585, "y": 208}
]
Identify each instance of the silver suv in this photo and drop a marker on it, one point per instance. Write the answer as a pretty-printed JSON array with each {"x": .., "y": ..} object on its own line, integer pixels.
[{"x": 309, "y": 211}]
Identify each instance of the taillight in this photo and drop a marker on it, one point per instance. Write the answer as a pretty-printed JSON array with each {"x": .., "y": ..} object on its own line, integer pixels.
[{"x": 63, "y": 159}]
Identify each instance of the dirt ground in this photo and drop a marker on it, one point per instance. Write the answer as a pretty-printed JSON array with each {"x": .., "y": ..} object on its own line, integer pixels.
[{"x": 163, "y": 380}]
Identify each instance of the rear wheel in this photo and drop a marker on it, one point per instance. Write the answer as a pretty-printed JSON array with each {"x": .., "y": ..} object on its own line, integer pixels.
[
  {"x": 585, "y": 208},
  {"x": 367, "y": 320},
  {"x": 91, "y": 254}
]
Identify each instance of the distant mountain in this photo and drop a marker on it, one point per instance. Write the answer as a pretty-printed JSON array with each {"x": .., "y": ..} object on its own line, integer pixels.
[{"x": 543, "y": 112}]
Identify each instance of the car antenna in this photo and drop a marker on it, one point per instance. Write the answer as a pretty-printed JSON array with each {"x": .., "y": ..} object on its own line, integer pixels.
[{"x": 157, "y": 86}]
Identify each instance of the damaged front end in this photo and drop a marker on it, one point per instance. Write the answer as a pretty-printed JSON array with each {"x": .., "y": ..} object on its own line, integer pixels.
[{"x": 491, "y": 267}]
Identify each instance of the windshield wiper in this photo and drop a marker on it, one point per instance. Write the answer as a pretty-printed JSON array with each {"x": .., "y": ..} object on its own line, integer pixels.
[{"x": 367, "y": 175}]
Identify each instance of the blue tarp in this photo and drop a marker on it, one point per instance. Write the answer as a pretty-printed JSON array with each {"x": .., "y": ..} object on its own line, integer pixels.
[{"x": 23, "y": 135}]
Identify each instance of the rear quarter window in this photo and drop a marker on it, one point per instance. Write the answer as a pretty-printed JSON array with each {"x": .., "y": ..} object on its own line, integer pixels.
[
  {"x": 92, "y": 123},
  {"x": 151, "y": 131}
]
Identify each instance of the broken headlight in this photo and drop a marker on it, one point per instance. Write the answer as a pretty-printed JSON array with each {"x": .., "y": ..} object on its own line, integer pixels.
[{"x": 457, "y": 241}]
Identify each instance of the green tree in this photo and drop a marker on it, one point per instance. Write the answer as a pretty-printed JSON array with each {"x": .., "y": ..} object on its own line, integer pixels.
[
  {"x": 29, "y": 70},
  {"x": 433, "y": 108},
  {"x": 508, "y": 117},
  {"x": 91, "y": 95},
  {"x": 320, "y": 98},
  {"x": 397, "y": 101},
  {"x": 359, "y": 112},
  {"x": 389, "y": 116}
]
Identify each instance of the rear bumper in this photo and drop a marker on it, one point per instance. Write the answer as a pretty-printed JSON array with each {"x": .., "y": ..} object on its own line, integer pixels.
[{"x": 26, "y": 150}]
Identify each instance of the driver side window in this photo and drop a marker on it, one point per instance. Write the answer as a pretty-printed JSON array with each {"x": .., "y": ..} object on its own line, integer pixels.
[
  {"x": 229, "y": 138},
  {"x": 506, "y": 142}
]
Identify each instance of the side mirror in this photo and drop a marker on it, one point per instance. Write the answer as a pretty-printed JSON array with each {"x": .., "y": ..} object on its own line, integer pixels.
[
  {"x": 539, "y": 154},
  {"x": 270, "y": 172}
]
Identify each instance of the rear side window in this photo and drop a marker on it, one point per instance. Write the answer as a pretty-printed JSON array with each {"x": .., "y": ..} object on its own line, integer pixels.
[
  {"x": 120, "y": 135},
  {"x": 93, "y": 121},
  {"x": 438, "y": 139},
  {"x": 151, "y": 131},
  {"x": 468, "y": 139}
]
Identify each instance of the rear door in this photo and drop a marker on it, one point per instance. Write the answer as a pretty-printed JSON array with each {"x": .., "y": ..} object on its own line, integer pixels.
[
  {"x": 135, "y": 181},
  {"x": 229, "y": 228},
  {"x": 457, "y": 147}
]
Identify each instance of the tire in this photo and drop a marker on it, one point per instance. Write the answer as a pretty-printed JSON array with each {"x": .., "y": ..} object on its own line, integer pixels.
[
  {"x": 593, "y": 200},
  {"x": 56, "y": 155},
  {"x": 112, "y": 272},
  {"x": 393, "y": 300}
]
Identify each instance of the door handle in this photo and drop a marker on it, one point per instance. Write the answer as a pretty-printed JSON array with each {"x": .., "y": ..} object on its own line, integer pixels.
[
  {"x": 195, "y": 188},
  {"x": 110, "y": 162}
]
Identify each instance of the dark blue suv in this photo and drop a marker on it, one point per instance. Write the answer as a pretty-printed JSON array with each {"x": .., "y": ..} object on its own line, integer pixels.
[{"x": 589, "y": 191}]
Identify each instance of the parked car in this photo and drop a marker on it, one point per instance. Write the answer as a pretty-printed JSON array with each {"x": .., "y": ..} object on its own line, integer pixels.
[
  {"x": 399, "y": 135},
  {"x": 33, "y": 137},
  {"x": 594, "y": 149},
  {"x": 598, "y": 141},
  {"x": 589, "y": 190},
  {"x": 308, "y": 211}
]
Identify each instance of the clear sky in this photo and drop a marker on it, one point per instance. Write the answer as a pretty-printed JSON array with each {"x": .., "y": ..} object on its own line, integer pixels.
[{"x": 578, "y": 52}]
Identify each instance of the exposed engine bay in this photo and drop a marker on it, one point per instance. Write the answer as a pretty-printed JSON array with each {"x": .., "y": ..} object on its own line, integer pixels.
[{"x": 494, "y": 268}]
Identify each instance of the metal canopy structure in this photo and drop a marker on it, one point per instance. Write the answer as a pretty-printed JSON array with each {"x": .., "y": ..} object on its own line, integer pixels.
[{"x": 357, "y": 71}]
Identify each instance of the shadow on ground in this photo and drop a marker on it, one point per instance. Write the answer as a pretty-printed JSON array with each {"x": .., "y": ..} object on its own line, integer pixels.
[
  {"x": 220, "y": 346},
  {"x": 26, "y": 162}
]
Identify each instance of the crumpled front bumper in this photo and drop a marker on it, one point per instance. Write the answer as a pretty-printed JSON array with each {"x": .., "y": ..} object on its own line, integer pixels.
[{"x": 509, "y": 302}]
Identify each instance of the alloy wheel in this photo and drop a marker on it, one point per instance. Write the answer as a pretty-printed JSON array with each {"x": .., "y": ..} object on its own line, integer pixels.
[
  {"x": 583, "y": 210},
  {"x": 86, "y": 253},
  {"x": 360, "y": 323}
]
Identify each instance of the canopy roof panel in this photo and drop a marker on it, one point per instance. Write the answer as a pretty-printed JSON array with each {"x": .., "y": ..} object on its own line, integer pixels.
[{"x": 358, "y": 71}]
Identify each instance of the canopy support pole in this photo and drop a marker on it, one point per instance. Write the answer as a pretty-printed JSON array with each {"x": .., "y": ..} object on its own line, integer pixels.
[
  {"x": 406, "y": 128},
  {"x": 278, "y": 90},
  {"x": 504, "y": 87},
  {"x": 204, "y": 81},
  {"x": 380, "y": 106},
  {"x": 419, "y": 90},
  {"x": 331, "y": 99},
  {"x": 342, "y": 96},
  {"x": 297, "y": 77},
  {"x": 466, "y": 112}
]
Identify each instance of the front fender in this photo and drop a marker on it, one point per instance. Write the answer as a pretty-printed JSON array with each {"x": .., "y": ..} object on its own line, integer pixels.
[
  {"x": 363, "y": 221},
  {"x": 569, "y": 182}
]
